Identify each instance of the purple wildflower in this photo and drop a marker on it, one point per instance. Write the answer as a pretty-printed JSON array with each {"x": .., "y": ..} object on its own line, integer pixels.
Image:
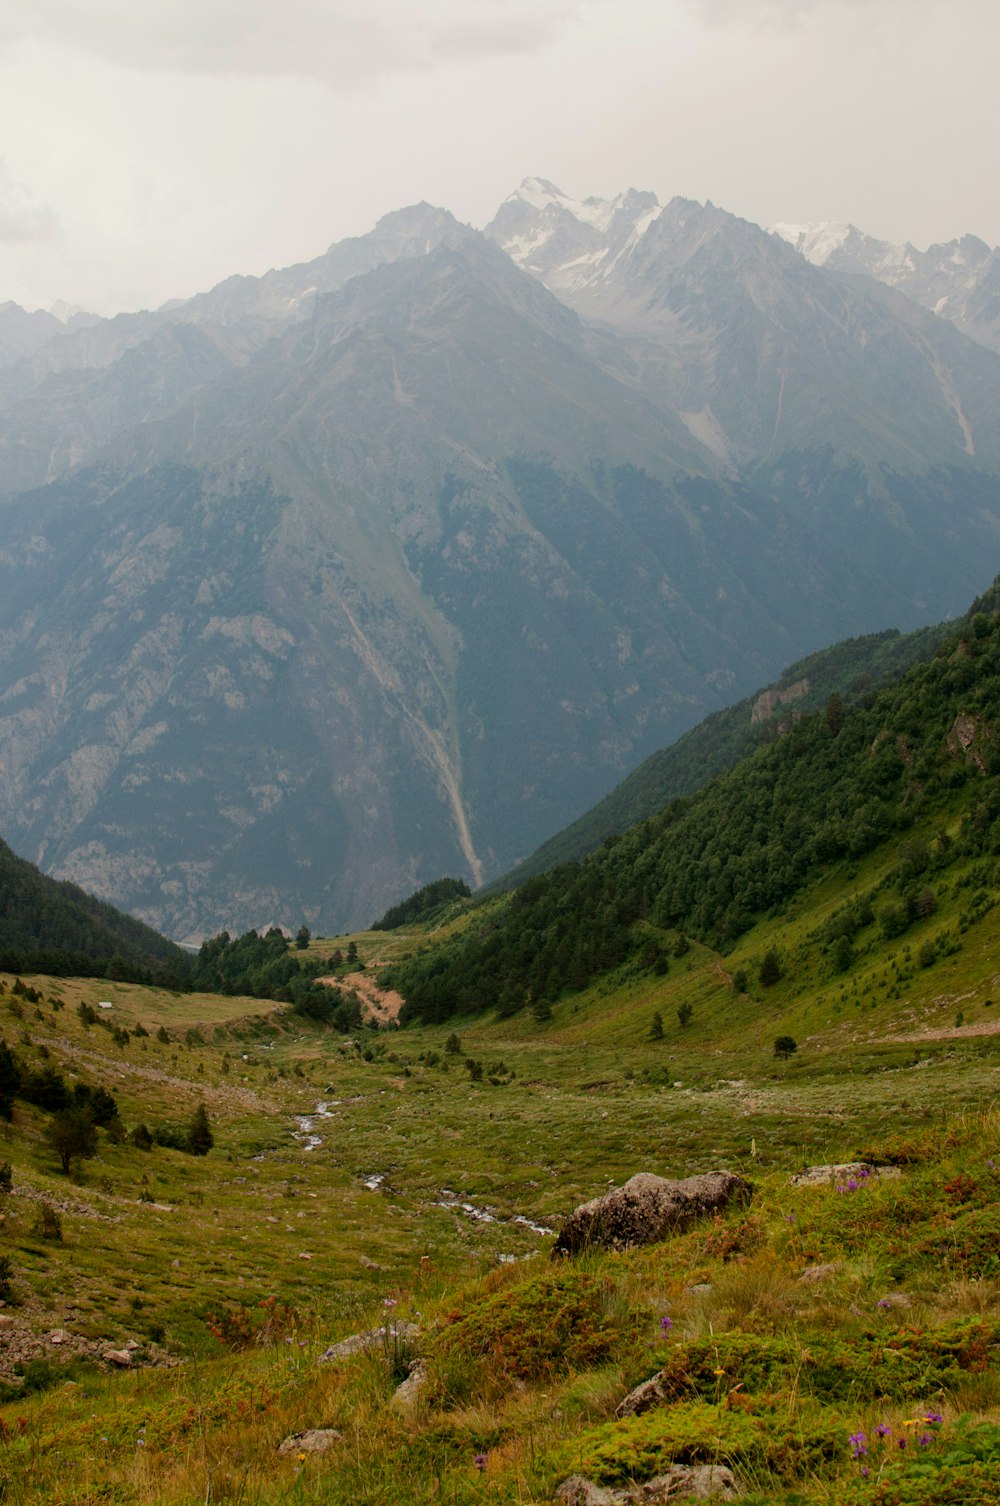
[
  {"x": 480, "y": 1462},
  {"x": 883, "y": 1304},
  {"x": 665, "y": 1324},
  {"x": 933, "y": 1417},
  {"x": 883, "y": 1430},
  {"x": 901, "y": 1442},
  {"x": 858, "y": 1442},
  {"x": 924, "y": 1440},
  {"x": 864, "y": 1472}
]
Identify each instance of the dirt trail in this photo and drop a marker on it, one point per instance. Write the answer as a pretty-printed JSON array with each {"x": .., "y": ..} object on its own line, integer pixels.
[
  {"x": 945, "y": 1032},
  {"x": 379, "y": 1004}
]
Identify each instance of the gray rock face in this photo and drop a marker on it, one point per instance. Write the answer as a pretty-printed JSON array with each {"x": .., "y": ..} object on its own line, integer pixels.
[{"x": 648, "y": 1208}]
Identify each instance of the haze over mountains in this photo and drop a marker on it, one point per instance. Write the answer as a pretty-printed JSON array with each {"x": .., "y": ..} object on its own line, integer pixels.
[{"x": 321, "y": 584}]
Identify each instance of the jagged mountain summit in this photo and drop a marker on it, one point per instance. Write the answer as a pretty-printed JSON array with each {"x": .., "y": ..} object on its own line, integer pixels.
[
  {"x": 323, "y": 584},
  {"x": 959, "y": 279},
  {"x": 580, "y": 248}
]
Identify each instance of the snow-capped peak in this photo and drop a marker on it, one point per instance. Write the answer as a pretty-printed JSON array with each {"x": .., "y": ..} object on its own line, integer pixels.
[
  {"x": 539, "y": 193},
  {"x": 817, "y": 240}
]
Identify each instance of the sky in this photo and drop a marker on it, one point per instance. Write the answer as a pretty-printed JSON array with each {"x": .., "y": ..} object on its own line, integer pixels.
[{"x": 148, "y": 150}]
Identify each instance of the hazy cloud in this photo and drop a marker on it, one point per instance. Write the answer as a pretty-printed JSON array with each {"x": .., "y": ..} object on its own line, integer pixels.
[
  {"x": 787, "y": 15},
  {"x": 340, "y": 42},
  {"x": 23, "y": 218}
]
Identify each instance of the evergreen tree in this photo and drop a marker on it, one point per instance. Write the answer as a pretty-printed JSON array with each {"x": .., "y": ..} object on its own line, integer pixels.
[
  {"x": 71, "y": 1134},
  {"x": 199, "y": 1136}
]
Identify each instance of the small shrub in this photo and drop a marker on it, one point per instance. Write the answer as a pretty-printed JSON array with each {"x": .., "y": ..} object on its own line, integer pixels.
[
  {"x": 540, "y": 1328},
  {"x": 7, "y": 1293},
  {"x": 47, "y": 1224},
  {"x": 252, "y": 1324},
  {"x": 771, "y": 970}
]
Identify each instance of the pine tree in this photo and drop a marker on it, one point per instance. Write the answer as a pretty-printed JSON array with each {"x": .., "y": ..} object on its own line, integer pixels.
[{"x": 200, "y": 1138}]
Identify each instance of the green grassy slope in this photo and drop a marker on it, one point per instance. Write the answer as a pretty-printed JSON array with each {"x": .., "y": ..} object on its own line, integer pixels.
[{"x": 284, "y": 1248}]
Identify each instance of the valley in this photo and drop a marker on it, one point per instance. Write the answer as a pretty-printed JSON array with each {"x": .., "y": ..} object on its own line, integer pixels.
[{"x": 362, "y": 1181}]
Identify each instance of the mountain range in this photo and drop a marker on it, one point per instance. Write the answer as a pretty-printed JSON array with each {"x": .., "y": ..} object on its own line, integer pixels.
[{"x": 324, "y": 583}]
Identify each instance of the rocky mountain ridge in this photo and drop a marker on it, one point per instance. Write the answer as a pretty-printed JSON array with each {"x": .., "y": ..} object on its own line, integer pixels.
[{"x": 387, "y": 565}]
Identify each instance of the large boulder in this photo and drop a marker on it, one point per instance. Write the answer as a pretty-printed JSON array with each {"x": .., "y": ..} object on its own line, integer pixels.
[{"x": 646, "y": 1209}]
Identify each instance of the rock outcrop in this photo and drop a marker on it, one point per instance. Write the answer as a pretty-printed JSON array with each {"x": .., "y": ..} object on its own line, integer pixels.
[
  {"x": 648, "y": 1208},
  {"x": 691, "y": 1482}
]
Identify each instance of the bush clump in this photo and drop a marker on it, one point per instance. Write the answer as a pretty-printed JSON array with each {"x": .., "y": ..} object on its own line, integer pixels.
[{"x": 560, "y": 1321}]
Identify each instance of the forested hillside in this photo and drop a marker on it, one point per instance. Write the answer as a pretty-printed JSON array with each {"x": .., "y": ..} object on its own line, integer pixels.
[
  {"x": 832, "y": 789},
  {"x": 850, "y": 669},
  {"x": 54, "y": 927}
]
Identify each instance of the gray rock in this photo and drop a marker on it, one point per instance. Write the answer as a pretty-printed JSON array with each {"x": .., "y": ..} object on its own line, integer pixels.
[
  {"x": 818, "y": 1176},
  {"x": 646, "y": 1209},
  {"x": 315, "y": 1441},
  {"x": 576, "y": 1491},
  {"x": 408, "y": 1394},
  {"x": 814, "y": 1273},
  {"x": 372, "y": 1338},
  {"x": 121, "y": 1358},
  {"x": 691, "y": 1482},
  {"x": 648, "y": 1394}
]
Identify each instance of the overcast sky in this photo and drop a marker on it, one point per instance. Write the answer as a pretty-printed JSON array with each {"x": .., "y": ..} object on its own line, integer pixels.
[{"x": 149, "y": 148}]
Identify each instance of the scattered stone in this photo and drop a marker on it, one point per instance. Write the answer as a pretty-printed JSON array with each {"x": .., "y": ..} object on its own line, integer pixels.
[
  {"x": 646, "y": 1209},
  {"x": 314, "y": 1441},
  {"x": 701, "y": 1288},
  {"x": 408, "y": 1394},
  {"x": 697, "y": 1482},
  {"x": 814, "y": 1273},
  {"x": 119, "y": 1357},
  {"x": 816, "y": 1176},
  {"x": 58, "y": 1336},
  {"x": 374, "y": 1338},
  {"x": 369, "y": 1265},
  {"x": 6, "y": 1321},
  {"x": 896, "y": 1299},
  {"x": 647, "y": 1394}
]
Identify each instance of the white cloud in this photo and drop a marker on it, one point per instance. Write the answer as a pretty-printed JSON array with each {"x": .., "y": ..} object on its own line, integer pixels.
[
  {"x": 344, "y": 43},
  {"x": 22, "y": 217}
]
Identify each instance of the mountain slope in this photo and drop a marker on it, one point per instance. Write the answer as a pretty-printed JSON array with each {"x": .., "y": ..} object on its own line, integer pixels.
[
  {"x": 837, "y": 786},
  {"x": 849, "y": 670},
  {"x": 318, "y": 560},
  {"x": 56, "y": 927},
  {"x": 330, "y": 592},
  {"x": 959, "y": 280}
]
